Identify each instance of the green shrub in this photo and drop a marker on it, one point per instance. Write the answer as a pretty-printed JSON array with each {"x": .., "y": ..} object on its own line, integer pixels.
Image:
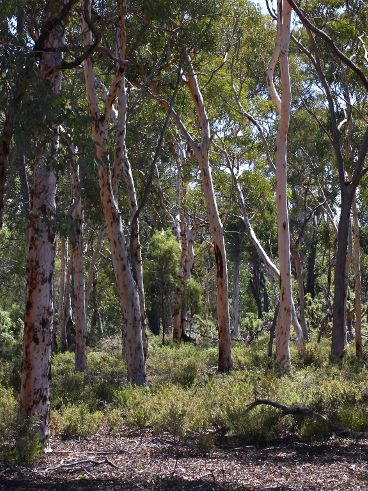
[{"x": 77, "y": 421}]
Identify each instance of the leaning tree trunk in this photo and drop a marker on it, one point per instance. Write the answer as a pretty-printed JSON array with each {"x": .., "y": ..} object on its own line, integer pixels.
[
  {"x": 122, "y": 165},
  {"x": 34, "y": 397},
  {"x": 357, "y": 301},
  {"x": 270, "y": 266},
  {"x": 128, "y": 294},
  {"x": 283, "y": 107},
  {"x": 215, "y": 224},
  {"x": 76, "y": 242}
]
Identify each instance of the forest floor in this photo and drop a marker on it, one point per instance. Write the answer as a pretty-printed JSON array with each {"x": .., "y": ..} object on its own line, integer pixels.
[{"x": 129, "y": 461}]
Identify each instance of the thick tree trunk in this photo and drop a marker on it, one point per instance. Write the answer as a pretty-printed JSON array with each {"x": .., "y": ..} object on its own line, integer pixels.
[
  {"x": 36, "y": 366},
  {"x": 76, "y": 242},
  {"x": 34, "y": 397},
  {"x": 339, "y": 302},
  {"x": 357, "y": 287}
]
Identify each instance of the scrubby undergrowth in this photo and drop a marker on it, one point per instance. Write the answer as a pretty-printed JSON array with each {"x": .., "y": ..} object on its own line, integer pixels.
[{"x": 188, "y": 398}]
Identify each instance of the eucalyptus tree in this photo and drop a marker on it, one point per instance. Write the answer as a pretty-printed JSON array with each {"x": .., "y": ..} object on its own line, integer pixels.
[
  {"x": 341, "y": 78},
  {"x": 128, "y": 293}
]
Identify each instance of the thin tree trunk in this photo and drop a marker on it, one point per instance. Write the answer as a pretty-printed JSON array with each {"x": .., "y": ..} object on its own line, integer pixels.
[
  {"x": 270, "y": 266},
  {"x": 76, "y": 243},
  {"x": 299, "y": 274},
  {"x": 34, "y": 397},
  {"x": 183, "y": 241},
  {"x": 62, "y": 290},
  {"x": 357, "y": 301},
  {"x": 92, "y": 265},
  {"x": 311, "y": 263},
  {"x": 339, "y": 303},
  {"x": 236, "y": 291}
]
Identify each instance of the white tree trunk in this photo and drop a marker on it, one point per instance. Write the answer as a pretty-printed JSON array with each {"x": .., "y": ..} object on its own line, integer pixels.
[
  {"x": 34, "y": 397},
  {"x": 283, "y": 107},
  {"x": 76, "y": 242}
]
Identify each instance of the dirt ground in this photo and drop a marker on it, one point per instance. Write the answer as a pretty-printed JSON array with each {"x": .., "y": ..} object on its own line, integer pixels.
[{"x": 128, "y": 461}]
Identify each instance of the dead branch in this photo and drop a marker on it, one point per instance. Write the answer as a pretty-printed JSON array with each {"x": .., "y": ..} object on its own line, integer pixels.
[{"x": 305, "y": 411}]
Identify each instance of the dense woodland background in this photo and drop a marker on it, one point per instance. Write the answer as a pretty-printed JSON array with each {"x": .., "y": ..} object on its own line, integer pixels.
[{"x": 184, "y": 219}]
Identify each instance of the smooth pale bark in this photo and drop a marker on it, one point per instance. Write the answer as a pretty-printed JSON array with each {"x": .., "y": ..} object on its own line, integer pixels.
[
  {"x": 122, "y": 166},
  {"x": 34, "y": 399},
  {"x": 76, "y": 252},
  {"x": 128, "y": 294},
  {"x": 283, "y": 107},
  {"x": 358, "y": 281}
]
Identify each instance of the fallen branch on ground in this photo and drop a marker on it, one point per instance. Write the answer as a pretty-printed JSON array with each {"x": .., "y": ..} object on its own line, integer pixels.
[{"x": 305, "y": 411}]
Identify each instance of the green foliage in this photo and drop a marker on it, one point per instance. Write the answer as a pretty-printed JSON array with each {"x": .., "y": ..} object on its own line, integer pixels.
[{"x": 77, "y": 421}]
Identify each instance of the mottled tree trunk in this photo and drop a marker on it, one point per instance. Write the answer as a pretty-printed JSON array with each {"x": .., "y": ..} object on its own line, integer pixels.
[
  {"x": 36, "y": 366},
  {"x": 122, "y": 166},
  {"x": 357, "y": 287},
  {"x": 34, "y": 397},
  {"x": 76, "y": 243},
  {"x": 311, "y": 264}
]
